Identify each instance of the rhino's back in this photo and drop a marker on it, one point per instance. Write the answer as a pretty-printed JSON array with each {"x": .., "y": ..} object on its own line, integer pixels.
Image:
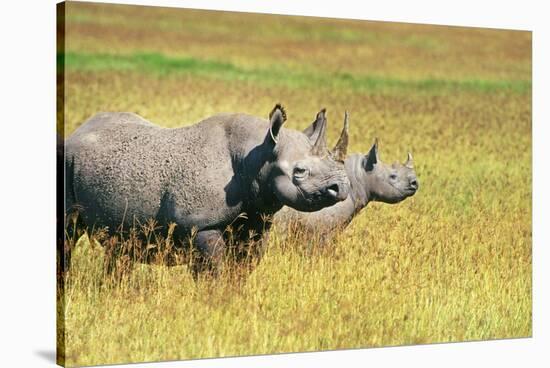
[
  {"x": 117, "y": 176},
  {"x": 126, "y": 168}
]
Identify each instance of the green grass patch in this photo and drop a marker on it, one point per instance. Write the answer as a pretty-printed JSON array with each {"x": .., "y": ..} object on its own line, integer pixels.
[{"x": 164, "y": 65}]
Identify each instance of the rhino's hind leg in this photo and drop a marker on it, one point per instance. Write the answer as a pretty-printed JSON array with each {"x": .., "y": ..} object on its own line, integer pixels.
[{"x": 210, "y": 251}]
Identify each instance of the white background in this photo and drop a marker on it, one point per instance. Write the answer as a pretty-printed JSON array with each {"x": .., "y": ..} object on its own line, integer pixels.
[{"x": 27, "y": 181}]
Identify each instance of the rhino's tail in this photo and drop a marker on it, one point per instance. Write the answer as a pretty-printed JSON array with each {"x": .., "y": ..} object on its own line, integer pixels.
[
  {"x": 65, "y": 200},
  {"x": 60, "y": 199}
]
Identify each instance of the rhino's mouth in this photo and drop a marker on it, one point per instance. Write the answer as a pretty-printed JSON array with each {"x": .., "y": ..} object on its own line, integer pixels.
[
  {"x": 322, "y": 198},
  {"x": 405, "y": 192},
  {"x": 408, "y": 191},
  {"x": 336, "y": 192}
]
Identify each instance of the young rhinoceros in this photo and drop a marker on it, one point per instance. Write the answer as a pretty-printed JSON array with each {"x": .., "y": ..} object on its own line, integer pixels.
[
  {"x": 122, "y": 170},
  {"x": 370, "y": 179}
]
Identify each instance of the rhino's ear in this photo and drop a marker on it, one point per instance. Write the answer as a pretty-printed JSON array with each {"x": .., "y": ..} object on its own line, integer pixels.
[
  {"x": 277, "y": 118},
  {"x": 315, "y": 128},
  {"x": 371, "y": 158}
]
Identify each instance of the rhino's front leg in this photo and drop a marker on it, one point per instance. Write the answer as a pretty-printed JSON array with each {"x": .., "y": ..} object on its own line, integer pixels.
[
  {"x": 251, "y": 253},
  {"x": 258, "y": 247},
  {"x": 210, "y": 251}
]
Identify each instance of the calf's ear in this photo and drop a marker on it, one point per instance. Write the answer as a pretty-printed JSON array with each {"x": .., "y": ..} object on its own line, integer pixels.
[
  {"x": 371, "y": 158},
  {"x": 277, "y": 118}
]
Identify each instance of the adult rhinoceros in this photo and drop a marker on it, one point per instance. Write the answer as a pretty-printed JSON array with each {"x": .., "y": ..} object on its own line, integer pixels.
[{"x": 229, "y": 169}]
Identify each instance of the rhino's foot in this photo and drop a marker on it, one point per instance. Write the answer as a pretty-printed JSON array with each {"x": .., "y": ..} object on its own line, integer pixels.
[{"x": 210, "y": 251}]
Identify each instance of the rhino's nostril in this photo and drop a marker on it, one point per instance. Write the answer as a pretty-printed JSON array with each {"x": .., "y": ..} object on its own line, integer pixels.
[
  {"x": 414, "y": 184},
  {"x": 333, "y": 190}
]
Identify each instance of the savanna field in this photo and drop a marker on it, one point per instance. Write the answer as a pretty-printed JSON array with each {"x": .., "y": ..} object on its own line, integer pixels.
[{"x": 451, "y": 263}]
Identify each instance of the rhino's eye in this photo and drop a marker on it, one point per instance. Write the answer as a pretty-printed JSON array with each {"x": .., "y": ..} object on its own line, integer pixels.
[
  {"x": 393, "y": 176},
  {"x": 300, "y": 172}
]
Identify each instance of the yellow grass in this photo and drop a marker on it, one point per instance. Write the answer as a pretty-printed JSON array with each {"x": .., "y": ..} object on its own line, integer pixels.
[{"x": 452, "y": 263}]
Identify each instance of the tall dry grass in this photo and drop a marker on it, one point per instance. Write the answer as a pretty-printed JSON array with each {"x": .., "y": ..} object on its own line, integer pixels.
[{"x": 452, "y": 263}]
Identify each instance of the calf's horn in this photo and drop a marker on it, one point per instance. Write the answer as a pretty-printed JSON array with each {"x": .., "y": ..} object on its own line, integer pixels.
[{"x": 409, "y": 162}]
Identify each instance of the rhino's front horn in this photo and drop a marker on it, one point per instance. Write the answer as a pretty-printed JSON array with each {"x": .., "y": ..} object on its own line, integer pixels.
[
  {"x": 341, "y": 148},
  {"x": 409, "y": 162},
  {"x": 320, "y": 146}
]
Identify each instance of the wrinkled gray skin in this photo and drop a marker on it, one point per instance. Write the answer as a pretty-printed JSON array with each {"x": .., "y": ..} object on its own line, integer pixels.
[
  {"x": 122, "y": 170},
  {"x": 371, "y": 180}
]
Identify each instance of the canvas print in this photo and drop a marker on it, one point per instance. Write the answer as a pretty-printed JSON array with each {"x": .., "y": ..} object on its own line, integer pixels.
[{"x": 238, "y": 184}]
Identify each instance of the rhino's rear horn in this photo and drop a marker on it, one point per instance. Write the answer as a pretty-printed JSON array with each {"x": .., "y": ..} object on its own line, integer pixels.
[
  {"x": 341, "y": 148},
  {"x": 277, "y": 118},
  {"x": 320, "y": 145}
]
